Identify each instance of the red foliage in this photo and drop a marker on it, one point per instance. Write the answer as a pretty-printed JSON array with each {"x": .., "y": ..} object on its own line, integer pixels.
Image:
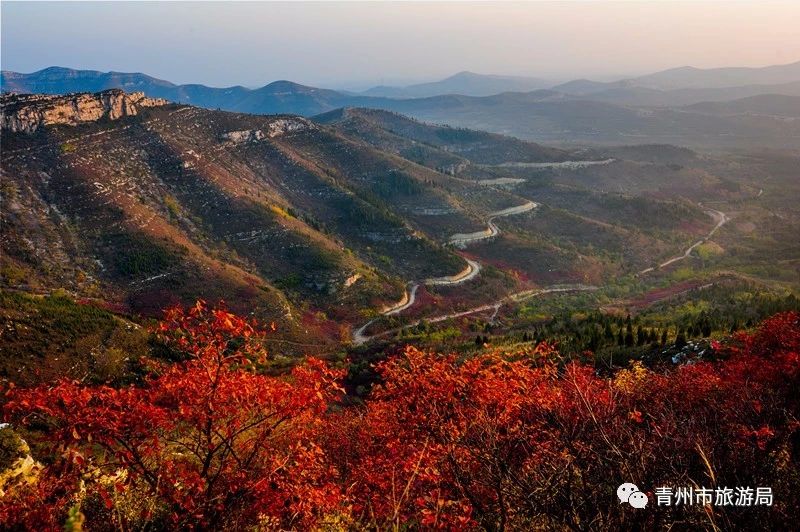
[
  {"x": 527, "y": 444},
  {"x": 488, "y": 442},
  {"x": 214, "y": 442}
]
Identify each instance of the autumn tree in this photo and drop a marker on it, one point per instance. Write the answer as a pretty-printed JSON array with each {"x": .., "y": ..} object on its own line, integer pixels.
[
  {"x": 521, "y": 441},
  {"x": 206, "y": 442},
  {"x": 528, "y": 444}
]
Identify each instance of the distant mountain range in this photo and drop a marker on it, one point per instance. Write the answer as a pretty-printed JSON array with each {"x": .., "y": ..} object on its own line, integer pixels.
[
  {"x": 763, "y": 104},
  {"x": 677, "y": 86},
  {"x": 717, "y": 78},
  {"x": 276, "y": 97},
  {"x": 692, "y": 78},
  {"x": 661, "y": 107},
  {"x": 466, "y": 83},
  {"x": 624, "y": 94}
]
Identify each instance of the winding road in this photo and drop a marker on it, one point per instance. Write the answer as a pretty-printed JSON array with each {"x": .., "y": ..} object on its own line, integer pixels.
[
  {"x": 463, "y": 239},
  {"x": 359, "y": 337},
  {"x": 472, "y": 269},
  {"x": 720, "y": 217}
]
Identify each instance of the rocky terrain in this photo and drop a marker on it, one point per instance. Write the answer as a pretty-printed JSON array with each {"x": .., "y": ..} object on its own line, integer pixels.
[{"x": 28, "y": 112}]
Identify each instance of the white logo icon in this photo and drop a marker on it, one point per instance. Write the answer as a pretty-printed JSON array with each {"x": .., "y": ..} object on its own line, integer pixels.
[{"x": 629, "y": 493}]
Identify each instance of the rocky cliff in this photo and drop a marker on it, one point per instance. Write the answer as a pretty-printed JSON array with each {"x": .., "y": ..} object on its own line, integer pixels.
[{"x": 28, "y": 112}]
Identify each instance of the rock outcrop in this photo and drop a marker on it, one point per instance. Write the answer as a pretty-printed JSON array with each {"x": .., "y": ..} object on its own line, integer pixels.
[
  {"x": 247, "y": 135},
  {"x": 276, "y": 128},
  {"x": 28, "y": 112},
  {"x": 282, "y": 126}
]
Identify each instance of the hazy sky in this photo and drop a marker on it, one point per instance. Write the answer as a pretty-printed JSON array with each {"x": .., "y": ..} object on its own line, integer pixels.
[{"x": 361, "y": 44}]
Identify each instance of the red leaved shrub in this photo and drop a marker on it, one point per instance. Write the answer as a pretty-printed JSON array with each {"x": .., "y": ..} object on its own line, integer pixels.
[
  {"x": 528, "y": 444},
  {"x": 490, "y": 442},
  {"x": 210, "y": 442}
]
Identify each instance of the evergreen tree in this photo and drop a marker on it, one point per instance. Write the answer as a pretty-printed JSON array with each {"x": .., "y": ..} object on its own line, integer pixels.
[
  {"x": 608, "y": 334},
  {"x": 680, "y": 339}
]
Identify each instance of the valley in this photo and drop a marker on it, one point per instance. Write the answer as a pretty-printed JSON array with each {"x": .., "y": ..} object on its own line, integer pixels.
[
  {"x": 407, "y": 266},
  {"x": 359, "y": 225}
]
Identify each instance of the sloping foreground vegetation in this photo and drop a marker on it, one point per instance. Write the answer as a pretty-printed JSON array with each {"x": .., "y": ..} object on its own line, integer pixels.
[{"x": 525, "y": 442}]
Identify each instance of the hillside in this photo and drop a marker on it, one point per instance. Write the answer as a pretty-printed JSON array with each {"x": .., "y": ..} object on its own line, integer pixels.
[
  {"x": 294, "y": 219},
  {"x": 410, "y": 137},
  {"x": 326, "y": 225},
  {"x": 764, "y": 105}
]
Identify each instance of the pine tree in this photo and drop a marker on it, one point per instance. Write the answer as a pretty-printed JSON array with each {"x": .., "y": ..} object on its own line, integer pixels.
[
  {"x": 608, "y": 334},
  {"x": 680, "y": 339},
  {"x": 629, "y": 339}
]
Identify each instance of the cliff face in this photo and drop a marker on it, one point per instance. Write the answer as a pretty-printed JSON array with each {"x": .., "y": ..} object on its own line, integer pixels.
[{"x": 28, "y": 112}]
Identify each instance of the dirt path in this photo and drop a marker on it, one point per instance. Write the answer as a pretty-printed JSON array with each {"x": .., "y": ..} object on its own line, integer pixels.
[
  {"x": 467, "y": 274},
  {"x": 409, "y": 298},
  {"x": 720, "y": 217}
]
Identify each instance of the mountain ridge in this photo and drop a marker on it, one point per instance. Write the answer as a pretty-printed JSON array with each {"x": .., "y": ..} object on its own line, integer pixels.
[
  {"x": 604, "y": 115},
  {"x": 777, "y": 79},
  {"x": 724, "y": 77},
  {"x": 465, "y": 83}
]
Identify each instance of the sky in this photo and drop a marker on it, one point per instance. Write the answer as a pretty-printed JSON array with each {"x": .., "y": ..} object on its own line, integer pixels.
[{"x": 360, "y": 44}]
